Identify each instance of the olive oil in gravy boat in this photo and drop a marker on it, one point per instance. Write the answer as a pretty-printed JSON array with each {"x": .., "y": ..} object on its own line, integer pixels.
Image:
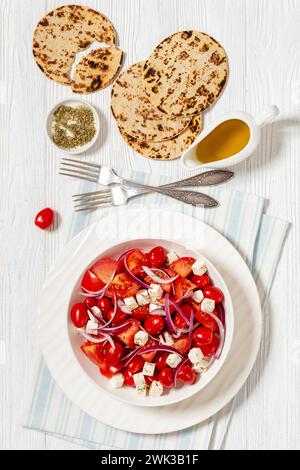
[{"x": 250, "y": 127}]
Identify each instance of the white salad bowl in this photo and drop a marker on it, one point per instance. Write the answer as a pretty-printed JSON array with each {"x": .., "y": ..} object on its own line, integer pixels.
[{"x": 128, "y": 394}]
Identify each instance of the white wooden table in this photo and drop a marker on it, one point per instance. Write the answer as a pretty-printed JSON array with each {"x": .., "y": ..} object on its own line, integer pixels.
[{"x": 262, "y": 41}]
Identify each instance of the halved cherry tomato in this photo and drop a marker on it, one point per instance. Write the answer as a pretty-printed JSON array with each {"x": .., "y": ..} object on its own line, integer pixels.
[
  {"x": 182, "y": 287},
  {"x": 91, "y": 283},
  {"x": 201, "y": 281},
  {"x": 207, "y": 320},
  {"x": 149, "y": 379},
  {"x": 79, "y": 315},
  {"x": 179, "y": 321},
  {"x": 136, "y": 364},
  {"x": 182, "y": 344},
  {"x": 127, "y": 336},
  {"x": 183, "y": 266},
  {"x": 123, "y": 286},
  {"x": 105, "y": 305},
  {"x": 214, "y": 293},
  {"x": 104, "y": 269},
  {"x": 161, "y": 360},
  {"x": 149, "y": 357},
  {"x": 94, "y": 352},
  {"x": 166, "y": 377},
  {"x": 120, "y": 317},
  {"x": 128, "y": 378},
  {"x": 135, "y": 261},
  {"x": 211, "y": 348},
  {"x": 202, "y": 336},
  {"x": 154, "y": 324},
  {"x": 140, "y": 313},
  {"x": 113, "y": 355},
  {"x": 156, "y": 257},
  {"x": 90, "y": 302},
  {"x": 187, "y": 375},
  {"x": 44, "y": 218}
]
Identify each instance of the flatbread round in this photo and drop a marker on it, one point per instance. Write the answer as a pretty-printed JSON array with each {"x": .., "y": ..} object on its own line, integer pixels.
[
  {"x": 170, "y": 149},
  {"x": 97, "y": 70},
  {"x": 134, "y": 113},
  {"x": 186, "y": 73},
  {"x": 64, "y": 32}
]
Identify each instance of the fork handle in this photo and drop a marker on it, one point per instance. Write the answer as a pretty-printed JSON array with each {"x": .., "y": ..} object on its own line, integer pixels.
[{"x": 207, "y": 178}]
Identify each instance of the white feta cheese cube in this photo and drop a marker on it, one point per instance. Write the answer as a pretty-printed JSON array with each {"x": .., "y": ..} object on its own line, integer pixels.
[
  {"x": 96, "y": 310},
  {"x": 173, "y": 360},
  {"x": 155, "y": 291},
  {"x": 156, "y": 389},
  {"x": 91, "y": 327},
  {"x": 201, "y": 366},
  {"x": 117, "y": 381},
  {"x": 142, "y": 390},
  {"x": 199, "y": 268},
  {"x": 198, "y": 296},
  {"x": 139, "y": 379},
  {"x": 171, "y": 256},
  {"x": 141, "y": 338},
  {"x": 167, "y": 339},
  {"x": 195, "y": 355},
  {"x": 131, "y": 303},
  {"x": 208, "y": 305},
  {"x": 148, "y": 369},
  {"x": 153, "y": 307},
  {"x": 142, "y": 297}
]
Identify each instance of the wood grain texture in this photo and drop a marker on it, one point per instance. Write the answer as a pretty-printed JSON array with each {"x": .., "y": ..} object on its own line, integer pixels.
[{"x": 263, "y": 47}]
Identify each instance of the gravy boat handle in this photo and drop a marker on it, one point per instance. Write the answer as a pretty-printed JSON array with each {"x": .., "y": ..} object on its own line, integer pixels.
[{"x": 267, "y": 116}]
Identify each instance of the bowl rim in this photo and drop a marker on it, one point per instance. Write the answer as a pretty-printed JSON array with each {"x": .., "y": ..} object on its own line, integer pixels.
[
  {"x": 189, "y": 391},
  {"x": 77, "y": 150}
]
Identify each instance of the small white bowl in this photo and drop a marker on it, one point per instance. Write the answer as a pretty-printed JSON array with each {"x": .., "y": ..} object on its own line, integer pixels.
[
  {"x": 127, "y": 394},
  {"x": 72, "y": 102}
]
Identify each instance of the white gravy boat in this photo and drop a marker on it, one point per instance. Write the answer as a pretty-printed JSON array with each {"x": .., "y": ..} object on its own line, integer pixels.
[{"x": 189, "y": 157}]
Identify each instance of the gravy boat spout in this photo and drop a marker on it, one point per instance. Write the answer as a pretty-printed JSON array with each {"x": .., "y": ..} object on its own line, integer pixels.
[{"x": 228, "y": 140}]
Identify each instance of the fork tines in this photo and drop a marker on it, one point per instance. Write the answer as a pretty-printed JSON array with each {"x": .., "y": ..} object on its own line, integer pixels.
[
  {"x": 90, "y": 201},
  {"x": 79, "y": 169}
]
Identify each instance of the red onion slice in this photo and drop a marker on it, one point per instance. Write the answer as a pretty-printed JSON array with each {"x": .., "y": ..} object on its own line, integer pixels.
[
  {"x": 113, "y": 315},
  {"x": 157, "y": 279},
  {"x": 130, "y": 356},
  {"x": 97, "y": 317},
  {"x": 133, "y": 277},
  {"x": 222, "y": 335},
  {"x": 92, "y": 339},
  {"x": 170, "y": 325},
  {"x": 179, "y": 310},
  {"x": 221, "y": 312},
  {"x": 182, "y": 363},
  {"x": 191, "y": 327},
  {"x": 158, "y": 311},
  {"x": 159, "y": 347},
  {"x": 114, "y": 330}
]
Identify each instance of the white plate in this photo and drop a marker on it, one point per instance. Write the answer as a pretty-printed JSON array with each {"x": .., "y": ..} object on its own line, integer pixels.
[{"x": 121, "y": 225}]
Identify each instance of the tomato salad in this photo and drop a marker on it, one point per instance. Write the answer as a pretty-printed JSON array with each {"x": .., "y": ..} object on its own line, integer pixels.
[{"x": 150, "y": 320}]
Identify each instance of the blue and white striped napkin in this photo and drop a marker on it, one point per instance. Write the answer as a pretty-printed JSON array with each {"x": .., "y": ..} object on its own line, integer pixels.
[{"x": 258, "y": 237}]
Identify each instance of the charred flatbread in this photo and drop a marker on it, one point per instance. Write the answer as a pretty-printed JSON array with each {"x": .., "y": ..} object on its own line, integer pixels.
[
  {"x": 64, "y": 32},
  {"x": 134, "y": 113},
  {"x": 186, "y": 73},
  {"x": 169, "y": 149},
  {"x": 97, "y": 70}
]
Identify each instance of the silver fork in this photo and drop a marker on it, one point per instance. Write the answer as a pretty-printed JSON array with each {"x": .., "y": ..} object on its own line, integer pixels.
[
  {"x": 107, "y": 176},
  {"x": 119, "y": 195}
]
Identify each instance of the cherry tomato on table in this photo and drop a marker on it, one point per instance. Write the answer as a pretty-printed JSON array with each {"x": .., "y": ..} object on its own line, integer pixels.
[
  {"x": 202, "y": 335},
  {"x": 156, "y": 257},
  {"x": 187, "y": 375},
  {"x": 166, "y": 377},
  {"x": 79, "y": 315},
  {"x": 154, "y": 324},
  {"x": 214, "y": 293},
  {"x": 44, "y": 218}
]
